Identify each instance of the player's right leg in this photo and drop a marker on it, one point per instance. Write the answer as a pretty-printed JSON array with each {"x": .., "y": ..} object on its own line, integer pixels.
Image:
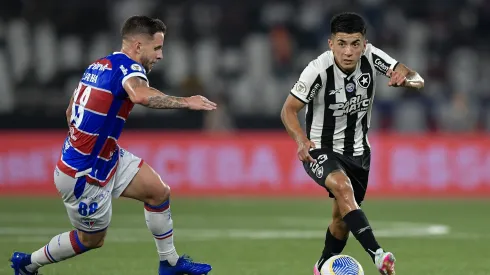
[
  {"x": 89, "y": 212},
  {"x": 340, "y": 185},
  {"x": 148, "y": 187}
]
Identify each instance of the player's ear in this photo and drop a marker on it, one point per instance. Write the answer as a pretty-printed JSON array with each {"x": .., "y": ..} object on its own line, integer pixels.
[
  {"x": 138, "y": 46},
  {"x": 364, "y": 46},
  {"x": 330, "y": 42}
]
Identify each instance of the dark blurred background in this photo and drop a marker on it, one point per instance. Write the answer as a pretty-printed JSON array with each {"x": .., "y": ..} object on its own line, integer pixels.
[{"x": 246, "y": 55}]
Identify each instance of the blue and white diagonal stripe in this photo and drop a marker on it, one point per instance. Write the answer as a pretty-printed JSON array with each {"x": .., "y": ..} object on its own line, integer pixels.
[{"x": 342, "y": 265}]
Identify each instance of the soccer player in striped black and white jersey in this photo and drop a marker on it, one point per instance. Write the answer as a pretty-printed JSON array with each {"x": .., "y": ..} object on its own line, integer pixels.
[
  {"x": 93, "y": 169},
  {"x": 338, "y": 90}
]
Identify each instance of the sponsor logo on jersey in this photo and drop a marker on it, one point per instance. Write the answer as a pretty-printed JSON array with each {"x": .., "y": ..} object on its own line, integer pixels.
[
  {"x": 314, "y": 90},
  {"x": 354, "y": 105},
  {"x": 123, "y": 70},
  {"x": 100, "y": 65},
  {"x": 381, "y": 65},
  {"x": 336, "y": 91}
]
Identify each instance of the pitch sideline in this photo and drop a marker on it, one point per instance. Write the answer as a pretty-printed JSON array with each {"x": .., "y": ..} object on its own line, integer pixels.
[{"x": 131, "y": 235}]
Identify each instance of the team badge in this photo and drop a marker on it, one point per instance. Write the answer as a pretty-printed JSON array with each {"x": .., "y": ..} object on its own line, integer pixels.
[
  {"x": 350, "y": 87},
  {"x": 136, "y": 67},
  {"x": 300, "y": 87},
  {"x": 88, "y": 222},
  {"x": 319, "y": 172},
  {"x": 364, "y": 80}
]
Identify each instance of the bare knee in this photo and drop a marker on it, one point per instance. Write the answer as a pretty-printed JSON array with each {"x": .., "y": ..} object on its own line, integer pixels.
[
  {"x": 91, "y": 241},
  {"x": 148, "y": 187},
  {"x": 160, "y": 193},
  {"x": 340, "y": 185}
]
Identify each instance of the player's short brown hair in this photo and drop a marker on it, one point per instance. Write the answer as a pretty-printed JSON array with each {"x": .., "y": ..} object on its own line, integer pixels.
[{"x": 140, "y": 24}]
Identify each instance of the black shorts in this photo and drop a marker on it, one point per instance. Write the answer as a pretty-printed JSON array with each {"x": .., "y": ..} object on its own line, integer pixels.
[{"x": 355, "y": 167}]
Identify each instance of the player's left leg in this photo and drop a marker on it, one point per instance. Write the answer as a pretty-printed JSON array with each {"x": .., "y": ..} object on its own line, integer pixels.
[
  {"x": 147, "y": 187},
  {"x": 349, "y": 200},
  {"x": 342, "y": 188},
  {"x": 61, "y": 247},
  {"x": 89, "y": 209}
]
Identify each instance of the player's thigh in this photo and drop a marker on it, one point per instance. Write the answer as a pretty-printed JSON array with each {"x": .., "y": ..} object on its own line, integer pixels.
[
  {"x": 327, "y": 166},
  {"x": 358, "y": 173},
  {"x": 129, "y": 166},
  {"x": 146, "y": 186},
  {"x": 359, "y": 179},
  {"x": 89, "y": 209}
]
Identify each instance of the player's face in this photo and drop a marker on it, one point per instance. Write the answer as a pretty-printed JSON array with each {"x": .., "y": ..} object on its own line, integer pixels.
[
  {"x": 347, "y": 49},
  {"x": 152, "y": 51}
]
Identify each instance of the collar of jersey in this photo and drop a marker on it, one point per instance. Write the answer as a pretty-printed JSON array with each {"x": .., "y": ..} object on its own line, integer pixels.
[
  {"x": 121, "y": 53},
  {"x": 344, "y": 75},
  {"x": 125, "y": 55}
]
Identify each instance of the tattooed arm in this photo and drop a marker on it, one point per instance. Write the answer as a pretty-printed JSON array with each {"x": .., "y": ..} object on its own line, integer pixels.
[{"x": 140, "y": 93}]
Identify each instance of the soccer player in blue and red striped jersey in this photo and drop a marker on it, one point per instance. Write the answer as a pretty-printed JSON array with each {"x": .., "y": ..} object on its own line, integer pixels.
[{"x": 93, "y": 169}]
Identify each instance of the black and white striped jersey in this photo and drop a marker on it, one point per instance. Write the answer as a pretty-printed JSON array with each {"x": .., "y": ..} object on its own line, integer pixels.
[{"x": 338, "y": 111}]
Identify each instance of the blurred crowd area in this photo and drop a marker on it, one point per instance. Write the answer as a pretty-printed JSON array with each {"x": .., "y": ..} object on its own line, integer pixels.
[{"x": 246, "y": 55}]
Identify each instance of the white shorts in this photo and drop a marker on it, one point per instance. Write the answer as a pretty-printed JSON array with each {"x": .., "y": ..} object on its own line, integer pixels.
[{"x": 92, "y": 211}]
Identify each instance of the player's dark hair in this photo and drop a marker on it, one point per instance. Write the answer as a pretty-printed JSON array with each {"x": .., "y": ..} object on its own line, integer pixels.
[
  {"x": 141, "y": 24},
  {"x": 348, "y": 22}
]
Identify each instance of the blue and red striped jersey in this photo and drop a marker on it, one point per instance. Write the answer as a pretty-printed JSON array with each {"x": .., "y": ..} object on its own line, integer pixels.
[{"x": 99, "y": 111}]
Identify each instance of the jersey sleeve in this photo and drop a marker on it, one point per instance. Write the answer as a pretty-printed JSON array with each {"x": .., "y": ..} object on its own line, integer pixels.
[
  {"x": 130, "y": 68},
  {"x": 308, "y": 84},
  {"x": 127, "y": 68},
  {"x": 382, "y": 61}
]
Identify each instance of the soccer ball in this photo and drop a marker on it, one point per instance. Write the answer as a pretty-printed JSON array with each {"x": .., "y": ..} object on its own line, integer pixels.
[{"x": 341, "y": 265}]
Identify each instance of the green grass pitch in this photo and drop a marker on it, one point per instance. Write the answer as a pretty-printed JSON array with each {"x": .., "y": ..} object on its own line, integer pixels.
[{"x": 260, "y": 236}]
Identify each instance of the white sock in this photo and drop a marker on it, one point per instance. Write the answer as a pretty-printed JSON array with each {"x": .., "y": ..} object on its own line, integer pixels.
[
  {"x": 64, "y": 246},
  {"x": 159, "y": 221}
]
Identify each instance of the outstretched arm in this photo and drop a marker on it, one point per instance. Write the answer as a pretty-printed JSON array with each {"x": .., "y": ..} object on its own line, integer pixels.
[
  {"x": 141, "y": 93},
  {"x": 403, "y": 76},
  {"x": 400, "y": 75}
]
